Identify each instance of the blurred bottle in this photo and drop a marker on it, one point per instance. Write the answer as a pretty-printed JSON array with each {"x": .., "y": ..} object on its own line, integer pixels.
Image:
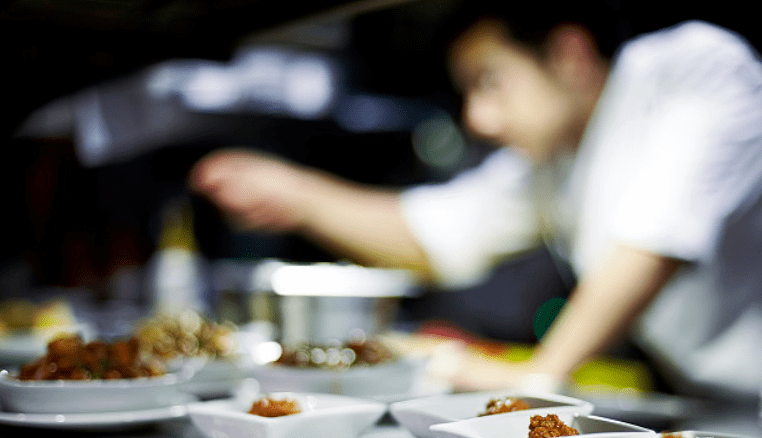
[{"x": 177, "y": 279}]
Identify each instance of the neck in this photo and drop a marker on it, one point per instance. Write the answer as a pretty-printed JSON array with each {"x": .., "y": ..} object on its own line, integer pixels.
[{"x": 587, "y": 99}]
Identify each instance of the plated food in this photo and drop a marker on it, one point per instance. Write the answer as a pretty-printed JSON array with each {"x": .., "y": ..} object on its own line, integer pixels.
[
  {"x": 68, "y": 357},
  {"x": 27, "y": 326},
  {"x": 418, "y": 415},
  {"x": 337, "y": 356},
  {"x": 319, "y": 415},
  {"x": 188, "y": 334},
  {"x": 17, "y": 315},
  {"x": 272, "y": 407},
  {"x": 356, "y": 368},
  {"x": 191, "y": 341},
  {"x": 525, "y": 424},
  {"x": 503, "y": 405},
  {"x": 549, "y": 426},
  {"x": 99, "y": 376}
]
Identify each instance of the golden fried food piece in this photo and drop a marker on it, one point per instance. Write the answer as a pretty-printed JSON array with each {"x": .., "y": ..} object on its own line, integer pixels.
[
  {"x": 188, "y": 334},
  {"x": 549, "y": 426},
  {"x": 268, "y": 407},
  {"x": 507, "y": 404}
]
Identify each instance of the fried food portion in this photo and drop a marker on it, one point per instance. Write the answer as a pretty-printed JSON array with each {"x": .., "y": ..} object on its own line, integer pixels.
[
  {"x": 549, "y": 426},
  {"x": 188, "y": 334},
  {"x": 339, "y": 356},
  {"x": 69, "y": 358},
  {"x": 507, "y": 404},
  {"x": 268, "y": 407}
]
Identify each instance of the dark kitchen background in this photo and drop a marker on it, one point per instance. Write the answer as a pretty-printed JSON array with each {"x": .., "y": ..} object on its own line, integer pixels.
[{"x": 74, "y": 224}]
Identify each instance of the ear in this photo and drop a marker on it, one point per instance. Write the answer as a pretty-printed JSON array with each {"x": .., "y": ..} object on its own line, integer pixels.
[{"x": 573, "y": 55}]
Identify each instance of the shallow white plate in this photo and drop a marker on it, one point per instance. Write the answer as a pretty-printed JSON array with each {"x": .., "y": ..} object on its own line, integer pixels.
[
  {"x": 419, "y": 414},
  {"x": 389, "y": 379},
  {"x": 26, "y": 346},
  {"x": 323, "y": 415},
  {"x": 214, "y": 378},
  {"x": 99, "y": 421},
  {"x": 72, "y": 396},
  {"x": 516, "y": 425}
]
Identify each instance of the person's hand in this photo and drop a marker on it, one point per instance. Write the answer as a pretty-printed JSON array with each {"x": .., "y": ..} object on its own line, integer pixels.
[
  {"x": 482, "y": 372},
  {"x": 254, "y": 191}
]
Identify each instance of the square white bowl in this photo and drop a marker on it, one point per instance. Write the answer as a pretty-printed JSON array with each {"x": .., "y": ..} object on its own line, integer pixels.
[
  {"x": 701, "y": 434},
  {"x": 418, "y": 415},
  {"x": 78, "y": 396},
  {"x": 387, "y": 379},
  {"x": 322, "y": 416},
  {"x": 516, "y": 425}
]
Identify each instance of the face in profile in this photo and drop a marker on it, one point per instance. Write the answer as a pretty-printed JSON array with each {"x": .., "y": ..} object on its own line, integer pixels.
[{"x": 510, "y": 96}]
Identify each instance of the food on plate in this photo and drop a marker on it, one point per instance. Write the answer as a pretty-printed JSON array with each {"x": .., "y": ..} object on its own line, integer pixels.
[
  {"x": 24, "y": 315},
  {"x": 549, "y": 426},
  {"x": 359, "y": 352},
  {"x": 501, "y": 405},
  {"x": 187, "y": 334},
  {"x": 269, "y": 407},
  {"x": 69, "y": 358}
]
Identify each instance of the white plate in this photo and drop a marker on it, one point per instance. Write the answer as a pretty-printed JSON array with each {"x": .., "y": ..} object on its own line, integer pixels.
[
  {"x": 419, "y": 414},
  {"x": 322, "y": 415},
  {"x": 516, "y": 425},
  {"x": 99, "y": 421},
  {"x": 27, "y": 346},
  {"x": 389, "y": 379},
  {"x": 217, "y": 378},
  {"x": 118, "y": 395}
]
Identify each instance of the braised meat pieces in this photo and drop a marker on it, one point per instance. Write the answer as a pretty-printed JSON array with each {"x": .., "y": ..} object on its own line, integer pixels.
[{"x": 69, "y": 358}]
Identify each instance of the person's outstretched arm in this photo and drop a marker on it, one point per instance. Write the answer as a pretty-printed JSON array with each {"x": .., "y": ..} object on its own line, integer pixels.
[
  {"x": 599, "y": 312},
  {"x": 260, "y": 192}
]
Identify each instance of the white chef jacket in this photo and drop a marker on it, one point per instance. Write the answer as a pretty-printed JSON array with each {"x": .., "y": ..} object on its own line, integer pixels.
[{"x": 671, "y": 162}]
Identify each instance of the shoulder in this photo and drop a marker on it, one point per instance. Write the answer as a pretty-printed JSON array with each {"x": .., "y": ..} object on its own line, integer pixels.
[{"x": 691, "y": 46}]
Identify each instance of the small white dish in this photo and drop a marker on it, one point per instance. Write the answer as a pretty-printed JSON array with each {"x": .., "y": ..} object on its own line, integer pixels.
[
  {"x": 217, "y": 378},
  {"x": 388, "y": 379},
  {"x": 700, "y": 434},
  {"x": 323, "y": 415},
  {"x": 101, "y": 421},
  {"x": 418, "y": 415},
  {"x": 516, "y": 425},
  {"x": 76, "y": 396}
]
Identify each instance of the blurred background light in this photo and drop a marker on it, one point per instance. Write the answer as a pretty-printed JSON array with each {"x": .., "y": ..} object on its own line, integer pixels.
[
  {"x": 378, "y": 113},
  {"x": 309, "y": 86},
  {"x": 91, "y": 131},
  {"x": 211, "y": 89},
  {"x": 439, "y": 142}
]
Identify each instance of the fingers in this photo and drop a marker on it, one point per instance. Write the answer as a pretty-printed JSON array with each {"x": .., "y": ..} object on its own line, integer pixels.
[
  {"x": 252, "y": 191},
  {"x": 214, "y": 168}
]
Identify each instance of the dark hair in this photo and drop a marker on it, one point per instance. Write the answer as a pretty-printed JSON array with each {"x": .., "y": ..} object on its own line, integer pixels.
[{"x": 529, "y": 22}]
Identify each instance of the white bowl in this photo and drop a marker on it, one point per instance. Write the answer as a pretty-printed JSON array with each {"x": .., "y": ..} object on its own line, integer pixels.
[
  {"x": 418, "y": 415},
  {"x": 388, "y": 379},
  {"x": 323, "y": 415},
  {"x": 516, "y": 425},
  {"x": 76, "y": 396},
  {"x": 215, "y": 378}
]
